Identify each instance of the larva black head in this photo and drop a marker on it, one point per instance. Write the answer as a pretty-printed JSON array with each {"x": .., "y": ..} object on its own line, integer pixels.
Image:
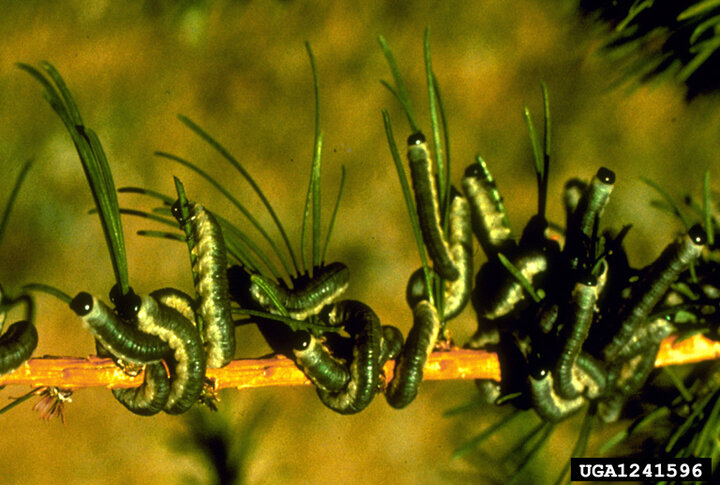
[
  {"x": 473, "y": 171},
  {"x": 416, "y": 138},
  {"x": 126, "y": 305},
  {"x": 538, "y": 372},
  {"x": 416, "y": 290},
  {"x": 82, "y": 304},
  {"x": 587, "y": 279},
  {"x": 454, "y": 193},
  {"x": 301, "y": 340},
  {"x": 697, "y": 235},
  {"x": 176, "y": 211},
  {"x": 538, "y": 365},
  {"x": 605, "y": 175},
  {"x": 533, "y": 236}
]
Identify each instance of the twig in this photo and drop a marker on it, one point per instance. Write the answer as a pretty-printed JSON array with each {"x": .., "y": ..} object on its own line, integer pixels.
[{"x": 454, "y": 364}]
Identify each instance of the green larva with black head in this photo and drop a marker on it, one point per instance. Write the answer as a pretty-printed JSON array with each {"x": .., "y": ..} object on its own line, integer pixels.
[
  {"x": 119, "y": 338},
  {"x": 456, "y": 293},
  {"x": 585, "y": 216},
  {"x": 655, "y": 282},
  {"x": 428, "y": 209},
  {"x": 211, "y": 285},
  {"x": 489, "y": 218},
  {"x": 318, "y": 364}
]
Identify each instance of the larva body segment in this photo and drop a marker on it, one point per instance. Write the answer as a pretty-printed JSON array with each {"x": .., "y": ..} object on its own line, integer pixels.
[
  {"x": 574, "y": 333},
  {"x": 391, "y": 344},
  {"x": 210, "y": 266},
  {"x": 318, "y": 364},
  {"x": 308, "y": 295},
  {"x": 624, "y": 379},
  {"x": 649, "y": 290},
  {"x": 122, "y": 340},
  {"x": 177, "y": 300},
  {"x": 420, "y": 342},
  {"x": 457, "y": 293},
  {"x": 188, "y": 371},
  {"x": 594, "y": 200},
  {"x": 584, "y": 217},
  {"x": 363, "y": 325},
  {"x": 501, "y": 300},
  {"x": 428, "y": 209},
  {"x": 17, "y": 345},
  {"x": 547, "y": 404},
  {"x": 489, "y": 218},
  {"x": 151, "y": 396},
  {"x": 591, "y": 374}
]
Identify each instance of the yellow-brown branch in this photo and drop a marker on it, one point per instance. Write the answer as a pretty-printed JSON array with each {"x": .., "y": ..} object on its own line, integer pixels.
[{"x": 456, "y": 363}]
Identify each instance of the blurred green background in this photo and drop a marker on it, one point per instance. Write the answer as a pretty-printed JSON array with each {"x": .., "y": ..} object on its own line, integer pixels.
[{"x": 240, "y": 70}]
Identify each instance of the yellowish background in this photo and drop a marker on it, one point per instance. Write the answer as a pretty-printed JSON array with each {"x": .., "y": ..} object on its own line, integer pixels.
[{"x": 240, "y": 70}]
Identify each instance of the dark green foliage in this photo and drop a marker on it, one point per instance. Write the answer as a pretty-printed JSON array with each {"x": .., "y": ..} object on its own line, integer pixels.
[{"x": 665, "y": 38}]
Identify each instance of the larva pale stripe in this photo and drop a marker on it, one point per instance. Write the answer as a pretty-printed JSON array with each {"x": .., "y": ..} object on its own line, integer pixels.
[
  {"x": 610, "y": 407},
  {"x": 548, "y": 405},
  {"x": 572, "y": 193},
  {"x": 363, "y": 325},
  {"x": 309, "y": 295},
  {"x": 212, "y": 287},
  {"x": 596, "y": 198},
  {"x": 318, "y": 364},
  {"x": 647, "y": 333},
  {"x": 629, "y": 370},
  {"x": 151, "y": 396},
  {"x": 591, "y": 374},
  {"x": 421, "y": 339},
  {"x": 392, "y": 343},
  {"x": 510, "y": 292},
  {"x": 426, "y": 201},
  {"x": 654, "y": 284},
  {"x": 177, "y": 300},
  {"x": 489, "y": 219},
  {"x": 626, "y": 380},
  {"x": 416, "y": 289},
  {"x": 457, "y": 293},
  {"x": 574, "y": 333},
  {"x": 188, "y": 371},
  {"x": 120, "y": 339},
  {"x": 17, "y": 345}
]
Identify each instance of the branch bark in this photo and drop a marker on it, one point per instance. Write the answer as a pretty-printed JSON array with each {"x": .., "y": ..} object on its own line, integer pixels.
[{"x": 453, "y": 364}]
